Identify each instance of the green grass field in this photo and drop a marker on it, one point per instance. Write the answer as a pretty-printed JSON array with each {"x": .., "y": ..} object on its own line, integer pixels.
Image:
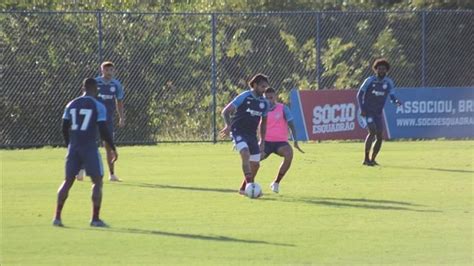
[{"x": 178, "y": 205}]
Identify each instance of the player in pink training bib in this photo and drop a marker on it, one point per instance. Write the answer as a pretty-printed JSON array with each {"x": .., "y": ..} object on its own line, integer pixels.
[{"x": 279, "y": 119}]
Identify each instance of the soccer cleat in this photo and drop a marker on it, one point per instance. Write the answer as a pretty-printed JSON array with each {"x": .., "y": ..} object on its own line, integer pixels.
[
  {"x": 275, "y": 187},
  {"x": 57, "y": 222},
  {"x": 80, "y": 175},
  {"x": 368, "y": 163},
  {"x": 98, "y": 223},
  {"x": 114, "y": 178},
  {"x": 374, "y": 163},
  {"x": 242, "y": 192}
]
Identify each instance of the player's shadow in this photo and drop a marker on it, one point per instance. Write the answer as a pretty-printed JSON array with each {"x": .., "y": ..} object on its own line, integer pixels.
[
  {"x": 193, "y": 236},
  {"x": 372, "y": 201},
  {"x": 323, "y": 201},
  {"x": 159, "y": 186},
  {"x": 358, "y": 203},
  {"x": 363, "y": 205},
  {"x": 430, "y": 169}
]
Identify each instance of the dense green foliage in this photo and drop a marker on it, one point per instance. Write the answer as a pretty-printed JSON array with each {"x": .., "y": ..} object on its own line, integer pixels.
[
  {"x": 165, "y": 59},
  {"x": 178, "y": 205},
  {"x": 236, "y": 5}
]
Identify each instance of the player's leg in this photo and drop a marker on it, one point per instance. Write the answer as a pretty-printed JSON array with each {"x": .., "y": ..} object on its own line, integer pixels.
[
  {"x": 254, "y": 161},
  {"x": 81, "y": 174},
  {"x": 285, "y": 151},
  {"x": 252, "y": 167},
  {"x": 63, "y": 193},
  {"x": 269, "y": 149},
  {"x": 72, "y": 167},
  {"x": 368, "y": 146},
  {"x": 372, "y": 130},
  {"x": 242, "y": 186},
  {"x": 95, "y": 169},
  {"x": 109, "y": 153},
  {"x": 240, "y": 144},
  {"x": 111, "y": 164},
  {"x": 246, "y": 168},
  {"x": 379, "y": 139},
  {"x": 97, "y": 201},
  {"x": 255, "y": 155}
]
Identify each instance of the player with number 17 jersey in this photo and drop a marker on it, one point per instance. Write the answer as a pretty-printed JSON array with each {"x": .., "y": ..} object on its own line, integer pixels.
[
  {"x": 83, "y": 113},
  {"x": 82, "y": 119}
]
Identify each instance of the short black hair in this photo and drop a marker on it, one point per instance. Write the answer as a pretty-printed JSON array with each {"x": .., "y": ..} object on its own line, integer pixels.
[
  {"x": 381, "y": 61},
  {"x": 257, "y": 79},
  {"x": 89, "y": 83},
  {"x": 270, "y": 90}
]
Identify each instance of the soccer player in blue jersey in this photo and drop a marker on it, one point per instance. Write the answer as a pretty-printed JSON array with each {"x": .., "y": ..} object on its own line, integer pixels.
[
  {"x": 371, "y": 97},
  {"x": 247, "y": 109},
  {"x": 111, "y": 95},
  {"x": 81, "y": 119}
]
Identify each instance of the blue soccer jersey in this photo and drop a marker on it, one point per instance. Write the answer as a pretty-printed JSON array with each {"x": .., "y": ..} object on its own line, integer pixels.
[
  {"x": 373, "y": 94},
  {"x": 250, "y": 109},
  {"x": 108, "y": 92},
  {"x": 84, "y": 113}
]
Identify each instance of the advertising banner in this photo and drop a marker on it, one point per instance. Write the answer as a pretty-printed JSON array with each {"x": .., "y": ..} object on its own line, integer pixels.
[
  {"x": 327, "y": 115},
  {"x": 425, "y": 113},
  {"x": 431, "y": 113}
]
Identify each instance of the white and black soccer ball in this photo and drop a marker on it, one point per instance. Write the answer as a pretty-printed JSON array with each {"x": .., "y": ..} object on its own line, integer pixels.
[{"x": 253, "y": 190}]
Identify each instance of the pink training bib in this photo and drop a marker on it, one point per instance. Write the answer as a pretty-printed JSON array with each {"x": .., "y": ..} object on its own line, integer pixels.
[{"x": 277, "y": 127}]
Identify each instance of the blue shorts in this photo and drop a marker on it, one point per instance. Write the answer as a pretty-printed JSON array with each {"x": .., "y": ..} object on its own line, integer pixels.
[
  {"x": 242, "y": 140},
  {"x": 374, "y": 123},
  {"x": 109, "y": 123},
  {"x": 273, "y": 146},
  {"x": 88, "y": 159}
]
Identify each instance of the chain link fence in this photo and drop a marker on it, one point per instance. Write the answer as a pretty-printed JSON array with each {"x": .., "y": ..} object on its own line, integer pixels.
[{"x": 179, "y": 70}]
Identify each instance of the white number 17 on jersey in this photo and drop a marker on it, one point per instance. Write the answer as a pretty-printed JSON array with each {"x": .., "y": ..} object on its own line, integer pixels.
[{"x": 87, "y": 113}]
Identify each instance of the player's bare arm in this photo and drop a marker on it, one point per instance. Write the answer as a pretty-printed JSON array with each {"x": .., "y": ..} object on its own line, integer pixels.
[
  {"x": 263, "y": 132},
  {"x": 291, "y": 125},
  {"x": 226, "y": 114},
  {"x": 395, "y": 100},
  {"x": 121, "y": 113},
  {"x": 360, "y": 97},
  {"x": 66, "y": 126}
]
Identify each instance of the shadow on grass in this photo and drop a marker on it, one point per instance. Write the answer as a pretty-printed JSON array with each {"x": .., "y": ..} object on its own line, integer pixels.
[
  {"x": 430, "y": 169},
  {"x": 372, "y": 201},
  {"x": 353, "y": 203},
  {"x": 362, "y": 203},
  {"x": 341, "y": 203},
  {"x": 145, "y": 185},
  {"x": 183, "y": 235}
]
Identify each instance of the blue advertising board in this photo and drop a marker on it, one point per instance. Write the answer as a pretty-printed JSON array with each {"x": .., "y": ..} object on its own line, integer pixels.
[{"x": 431, "y": 113}]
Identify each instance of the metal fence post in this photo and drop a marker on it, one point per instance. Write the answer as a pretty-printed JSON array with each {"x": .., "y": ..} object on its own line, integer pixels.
[
  {"x": 423, "y": 48},
  {"x": 99, "y": 29},
  {"x": 318, "y": 49},
  {"x": 214, "y": 79}
]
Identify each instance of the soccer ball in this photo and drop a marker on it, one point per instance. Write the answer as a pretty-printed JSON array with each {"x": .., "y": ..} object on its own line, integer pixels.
[{"x": 253, "y": 190}]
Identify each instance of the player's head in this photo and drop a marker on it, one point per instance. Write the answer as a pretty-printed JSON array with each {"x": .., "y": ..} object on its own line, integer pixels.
[
  {"x": 259, "y": 83},
  {"x": 108, "y": 69},
  {"x": 89, "y": 86},
  {"x": 381, "y": 67},
  {"x": 270, "y": 95}
]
